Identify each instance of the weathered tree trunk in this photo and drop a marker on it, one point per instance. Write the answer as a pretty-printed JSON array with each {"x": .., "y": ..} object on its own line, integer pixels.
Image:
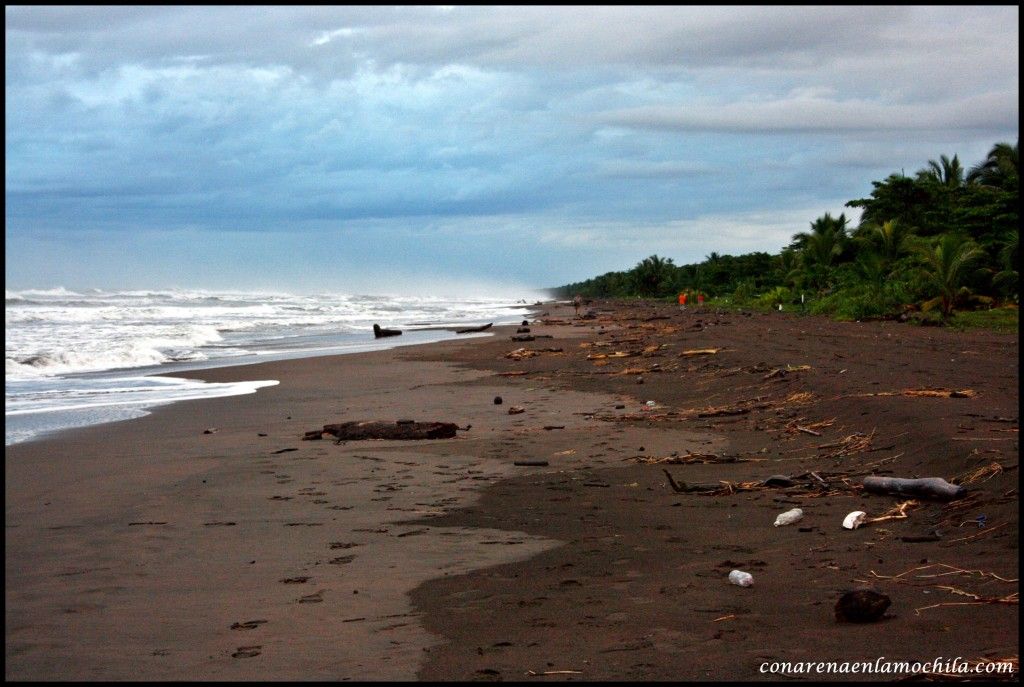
[
  {"x": 379, "y": 333},
  {"x": 355, "y": 431},
  {"x": 470, "y": 330},
  {"x": 926, "y": 487}
]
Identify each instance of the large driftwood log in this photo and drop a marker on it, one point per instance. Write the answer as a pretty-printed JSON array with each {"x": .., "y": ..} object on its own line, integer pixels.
[
  {"x": 355, "y": 431},
  {"x": 378, "y": 332},
  {"x": 926, "y": 487},
  {"x": 470, "y": 330}
]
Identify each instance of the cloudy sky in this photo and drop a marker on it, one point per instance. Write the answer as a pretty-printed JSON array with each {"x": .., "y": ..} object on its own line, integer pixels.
[{"x": 383, "y": 149}]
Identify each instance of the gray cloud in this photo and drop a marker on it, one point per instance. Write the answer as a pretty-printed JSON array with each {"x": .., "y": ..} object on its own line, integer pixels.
[{"x": 815, "y": 114}]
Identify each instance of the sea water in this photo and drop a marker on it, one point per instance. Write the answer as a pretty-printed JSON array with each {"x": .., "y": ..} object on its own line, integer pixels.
[{"x": 76, "y": 358}]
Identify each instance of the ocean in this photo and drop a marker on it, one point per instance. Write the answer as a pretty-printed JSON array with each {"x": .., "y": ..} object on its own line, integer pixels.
[{"x": 76, "y": 358}]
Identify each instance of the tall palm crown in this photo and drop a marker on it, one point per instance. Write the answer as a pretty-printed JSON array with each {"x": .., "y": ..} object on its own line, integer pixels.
[
  {"x": 1000, "y": 169},
  {"x": 946, "y": 172}
]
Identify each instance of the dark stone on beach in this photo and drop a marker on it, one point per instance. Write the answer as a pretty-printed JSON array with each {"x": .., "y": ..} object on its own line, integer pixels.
[
  {"x": 497, "y": 400},
  {"x": 523, "y": 330},
  {"x": 525, "y": 323},
  {"x": 210, "y": 431},
  {"x": 356, "y": 431},
  {"x": 861, "y": 606},
  {"x": 779, "y": 481}
]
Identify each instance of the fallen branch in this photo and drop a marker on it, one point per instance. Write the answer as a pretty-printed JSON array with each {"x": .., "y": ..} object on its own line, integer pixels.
[
  {"x": 898, "y": 512},
  {"x": 355, "y": 431}
]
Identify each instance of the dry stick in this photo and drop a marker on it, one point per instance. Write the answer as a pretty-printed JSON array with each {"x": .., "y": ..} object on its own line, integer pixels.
[
  {"x": 984, "y": 438},
  {"x": 979, "y": 534},
  {"x": 675, "y": 485}
]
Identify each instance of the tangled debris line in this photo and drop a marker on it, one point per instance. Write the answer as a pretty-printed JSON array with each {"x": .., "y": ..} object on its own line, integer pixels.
[
  {"x": 979, "y": 474},
  {"x": 937, "y": 392},
  {"x": 687, "y": 459},
  {"x": 947, "y": 570},
  {"x": 524, "y": 353},
  {"x": 780, "y": 372},
  {"x": 848, "y": 445},
  {"x": 723, "y": 488},
  {"x": 793, "y": 426}
]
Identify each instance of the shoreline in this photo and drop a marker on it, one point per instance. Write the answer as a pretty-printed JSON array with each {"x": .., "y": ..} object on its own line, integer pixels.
[
  {"x": 98, "y": 414},
  {"x": 137, "y": 557}
]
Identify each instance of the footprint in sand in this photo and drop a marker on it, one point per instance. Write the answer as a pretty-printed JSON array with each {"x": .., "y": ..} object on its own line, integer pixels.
[
  {"x": 247, "y": 651},
  {"x": 314, "y": 598},
  {"x": 341, "y": 560},
  {"x": 248, "y": 625},
  {"x": 295, "y": 580}
]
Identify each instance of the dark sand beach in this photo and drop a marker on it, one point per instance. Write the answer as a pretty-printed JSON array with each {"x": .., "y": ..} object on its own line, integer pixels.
[{"x": 148, "y": 549}]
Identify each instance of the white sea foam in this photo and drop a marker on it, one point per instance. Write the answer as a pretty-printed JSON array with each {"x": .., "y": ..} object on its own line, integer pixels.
[{"x": 53, "y": 336}]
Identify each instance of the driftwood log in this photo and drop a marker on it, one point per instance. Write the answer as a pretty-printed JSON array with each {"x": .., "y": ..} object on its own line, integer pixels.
[
  {"x": 379, "y": 333},
  {"x": 470, "y": 330},
  {"x": 405, "y": 430},
  {"x": 926, "y": 487}
]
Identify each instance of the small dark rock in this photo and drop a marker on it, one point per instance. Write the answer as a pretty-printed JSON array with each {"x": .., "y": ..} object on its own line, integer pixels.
[
  {"x": 210, "y": 431},
  {"x": 778, "y": 481},
  {"x": 497, "y": 400},
  {"x": 861, "y": 606}
]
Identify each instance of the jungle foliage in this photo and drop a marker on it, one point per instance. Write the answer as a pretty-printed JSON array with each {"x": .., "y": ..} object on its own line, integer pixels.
[{"x": 927, "y": 245}]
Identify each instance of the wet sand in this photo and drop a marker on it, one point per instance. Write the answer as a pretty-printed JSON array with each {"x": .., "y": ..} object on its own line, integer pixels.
[{"x": 148, "y": 549}]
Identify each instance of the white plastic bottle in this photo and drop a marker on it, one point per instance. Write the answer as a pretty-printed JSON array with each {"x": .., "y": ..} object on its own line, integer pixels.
[
  {"x": 789, "y": 517},
  {"x": 743, "y": 579}
]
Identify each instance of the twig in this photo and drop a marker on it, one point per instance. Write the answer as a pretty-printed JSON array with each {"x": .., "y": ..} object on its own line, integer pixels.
[{"x": 979, "y": 534}]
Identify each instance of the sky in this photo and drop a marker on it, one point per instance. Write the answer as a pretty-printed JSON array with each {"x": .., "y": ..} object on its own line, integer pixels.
[{"x": 446, "y": 150}]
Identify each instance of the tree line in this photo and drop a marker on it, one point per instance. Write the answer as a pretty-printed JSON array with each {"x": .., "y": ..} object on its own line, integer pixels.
[{"x": 942, "y": 239}]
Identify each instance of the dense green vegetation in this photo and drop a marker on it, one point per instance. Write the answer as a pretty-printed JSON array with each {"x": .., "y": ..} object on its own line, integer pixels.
[{"x": 926, "y": 247}]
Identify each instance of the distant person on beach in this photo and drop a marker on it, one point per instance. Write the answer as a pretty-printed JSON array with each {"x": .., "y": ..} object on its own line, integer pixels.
[{"x": 577, "y": 301}]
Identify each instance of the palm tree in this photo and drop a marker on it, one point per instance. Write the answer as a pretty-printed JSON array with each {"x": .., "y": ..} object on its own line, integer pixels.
[
  {"x": 945, "y": 266},
  {"x": 1001, "y": 168},
  {"x": 820, "y": 247},
  {"x": 945, "y": 172},
  {"x": 1008, "y": 255},
  {"x": 652, "y": 275},
  {"x": 889, "y": 239}
]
